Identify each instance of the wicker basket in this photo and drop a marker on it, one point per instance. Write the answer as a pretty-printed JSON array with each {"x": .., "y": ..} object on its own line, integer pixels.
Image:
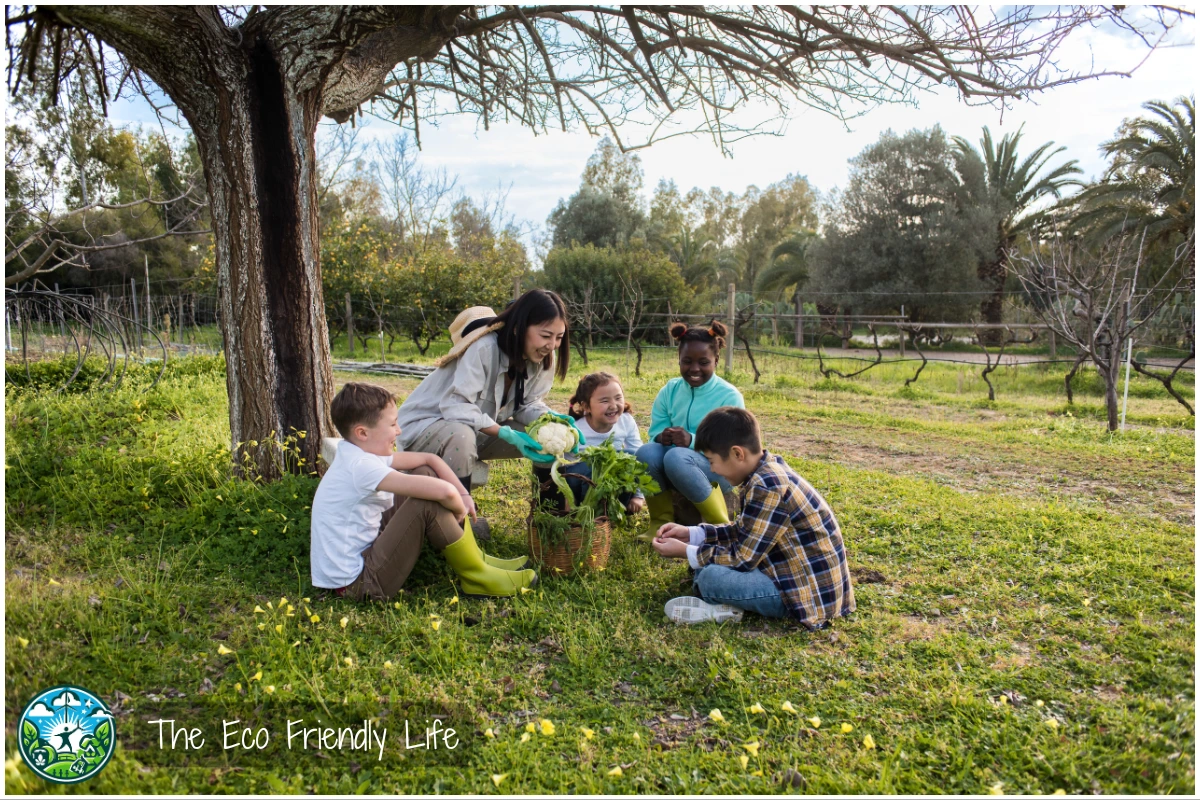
[{"x": 564, "y": 558}]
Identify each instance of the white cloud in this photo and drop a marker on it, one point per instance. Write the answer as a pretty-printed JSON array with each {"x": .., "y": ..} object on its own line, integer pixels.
[
  {"x": 67, "y": 698},
  {"x": 40, "y": 710}
]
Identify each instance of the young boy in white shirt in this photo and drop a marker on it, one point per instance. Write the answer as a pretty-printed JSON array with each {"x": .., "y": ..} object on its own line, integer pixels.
[{"x": 350, "y": 555}]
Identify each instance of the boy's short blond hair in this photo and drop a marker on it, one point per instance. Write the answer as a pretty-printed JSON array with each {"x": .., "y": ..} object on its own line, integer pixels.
[{"x": 359, "y": 403}]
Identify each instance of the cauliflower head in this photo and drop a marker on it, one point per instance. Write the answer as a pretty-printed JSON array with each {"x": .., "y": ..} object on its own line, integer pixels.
[{"x": 555, "y": 438}]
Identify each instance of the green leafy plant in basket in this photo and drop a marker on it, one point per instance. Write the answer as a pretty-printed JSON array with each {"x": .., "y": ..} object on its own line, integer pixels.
[{"x": 613, "y": 473}]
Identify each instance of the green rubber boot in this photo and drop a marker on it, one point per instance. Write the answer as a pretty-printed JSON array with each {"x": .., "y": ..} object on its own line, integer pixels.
[
  {"x": 511, "y": 564},
  {"x": 661, "y": 510},
  {"x": 712, "y": 508},
  {"x": 478, "y": 578}
]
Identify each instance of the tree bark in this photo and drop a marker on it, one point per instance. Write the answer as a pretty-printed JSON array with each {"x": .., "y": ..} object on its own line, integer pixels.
[
  {"x": 253, "y": 97},
  {"x": 992, "y": 274}
]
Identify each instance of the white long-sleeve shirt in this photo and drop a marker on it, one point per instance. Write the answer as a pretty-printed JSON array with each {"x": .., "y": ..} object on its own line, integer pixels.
[{"x": 626, "y": 436}]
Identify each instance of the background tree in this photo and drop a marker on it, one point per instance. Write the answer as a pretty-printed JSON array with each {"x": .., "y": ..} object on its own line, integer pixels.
[
  {"x": 607, "y": 209},
  {"x": 86, "y": 203},
  {"x": 905, "y": 231},
  {"x": 766, "y": 220},
  {"x": 253, "y": 82},
  {"x": 1013, "y": 188},
  {"x": 789, "y": 270},
  {"x": 1095, "y": 302},
  {"x": 1151, "y": 183},
  {"x": 599, "y": 282}
]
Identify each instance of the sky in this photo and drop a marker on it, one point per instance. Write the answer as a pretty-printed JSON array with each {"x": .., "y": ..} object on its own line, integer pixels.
[{"x": 538, "y": 171}]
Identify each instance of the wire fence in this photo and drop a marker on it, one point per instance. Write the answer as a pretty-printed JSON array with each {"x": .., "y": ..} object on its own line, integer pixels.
[{"x": 768, "y": 339}]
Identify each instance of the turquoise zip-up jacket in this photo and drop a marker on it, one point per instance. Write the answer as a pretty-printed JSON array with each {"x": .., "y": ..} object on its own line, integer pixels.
[{"x": 678, "y": 405}]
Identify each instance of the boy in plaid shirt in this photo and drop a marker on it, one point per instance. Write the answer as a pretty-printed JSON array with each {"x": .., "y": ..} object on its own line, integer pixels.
[{"x": 782, "y": 557}]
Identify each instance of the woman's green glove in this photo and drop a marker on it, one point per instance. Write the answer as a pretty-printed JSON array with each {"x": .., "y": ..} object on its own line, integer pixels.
[{"x": 526, "y": 444}]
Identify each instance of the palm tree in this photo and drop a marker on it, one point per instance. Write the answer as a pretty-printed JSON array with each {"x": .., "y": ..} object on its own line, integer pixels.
[
  {"x": 694, "y": 255},
  {"x": 1012, "y": 188},
  {"x": 1151, "y": 184},
  {"x": 788, "y": 268}
]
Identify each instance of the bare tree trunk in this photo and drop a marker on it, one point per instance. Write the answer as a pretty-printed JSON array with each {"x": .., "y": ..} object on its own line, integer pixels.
[
  {"x": 992, "y": 274},
  {"x": 261, "y": 170}
]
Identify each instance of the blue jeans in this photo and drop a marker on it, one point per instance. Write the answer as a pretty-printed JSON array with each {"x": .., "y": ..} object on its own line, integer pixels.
[
  {"x": 681, "y": 469},
  {"x": 752, "y": 591}
]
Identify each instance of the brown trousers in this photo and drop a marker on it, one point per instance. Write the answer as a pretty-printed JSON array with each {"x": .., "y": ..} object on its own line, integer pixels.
[{"x": 391, "y": 557}]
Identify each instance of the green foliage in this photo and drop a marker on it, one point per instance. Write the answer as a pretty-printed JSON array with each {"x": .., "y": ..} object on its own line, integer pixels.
[
  {"x": 611, "y": 279},
  {"x": 904, "y": 231},
  {"x": 614, "y": 472},
  {"x": 606, "y": 211}
]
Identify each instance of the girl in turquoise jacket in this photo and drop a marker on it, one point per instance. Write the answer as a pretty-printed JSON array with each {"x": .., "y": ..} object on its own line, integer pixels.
[{"x": 678, "y": 409}]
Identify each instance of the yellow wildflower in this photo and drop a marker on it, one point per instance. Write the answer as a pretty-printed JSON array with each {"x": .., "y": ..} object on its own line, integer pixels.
[
  {"x": 1086, "y": 602},
  {"x": 396, "y": 606},
  {"x": 716, "y": 716},
  {"x": 489, "y": 733},
  {"x": 1038, "y": 703},
  {"x": 847, "y": 727},
  {"x": 279, "y": 629},
  {"x": 21, "y": 640},
  {"x": 53, "y": 582},
  {"x": 223, "y": 650},
  {"x": 437, "y": 623},
  {"x": 814, "y": 721},
  {"x": 262, "y": 626},
  {"x": 530, "y": 727},
  {"x": 237, "y": 687},
  {"x": 525, "y": 590},
  {"x": 616, "y": 772},
  {"x": 744, "y": 760},
  {"x": 269, "y": 602},
  {"x": 499, "y": 779},
  {"x": 388, "y": 665},
  {"x": 344, "y": 621},
  {"x": 996, "y": 788},
  {"x": 296, "y": 643},
  {"x": 637, "y": 737},
  {"x": 548, "y": 727},
  {"x": 757, "y": 708},
  {"x": 751, "y": 748},
  {"x": 1059, "y": 791},
  {"x": 588, "y": 733},
  {"x": 869, "y": 742},
  {"x": 1052, "y": 723},
  {"x": 453, "y": 600},
  {"x": 348, "y": 661},
  {"x": 314, "y": 619},
  {"x": 788, "y": 707},
  {"x": 525, "y": 737},
  {"x": 269, "y": 689},
  {"x": 256, "y": 676}
]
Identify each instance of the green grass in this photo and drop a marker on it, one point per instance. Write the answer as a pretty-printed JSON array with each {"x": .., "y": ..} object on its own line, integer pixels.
[{"x": 1034, "y": 626}]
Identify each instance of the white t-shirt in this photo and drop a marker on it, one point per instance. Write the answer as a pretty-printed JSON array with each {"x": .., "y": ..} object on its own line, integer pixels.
[
  {"x": 624, "y": 431},
  {"x": 346, "y": 513}
]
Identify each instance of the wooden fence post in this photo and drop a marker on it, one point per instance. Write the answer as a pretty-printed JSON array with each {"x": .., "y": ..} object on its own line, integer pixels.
[
  {"x": 732, "y": 344},
  {"x": 149, "y": 312}
]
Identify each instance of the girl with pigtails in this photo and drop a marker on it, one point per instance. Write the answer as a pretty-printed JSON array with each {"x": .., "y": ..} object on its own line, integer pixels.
[{"x": 670, "y": 455}]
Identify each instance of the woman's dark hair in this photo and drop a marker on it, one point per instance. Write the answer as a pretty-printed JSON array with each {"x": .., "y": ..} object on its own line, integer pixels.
[
  {"x": 713, "y": 336},
  {"x": 532, "y": 308},
  {"x": 588, "y": 385}
]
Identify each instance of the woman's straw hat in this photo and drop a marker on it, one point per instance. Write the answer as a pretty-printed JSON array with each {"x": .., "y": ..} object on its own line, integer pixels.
[{"x": 458, "y": 342}]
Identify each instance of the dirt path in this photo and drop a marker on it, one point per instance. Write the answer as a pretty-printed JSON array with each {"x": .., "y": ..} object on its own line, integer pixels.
[{"x": 1023, "y": 469}]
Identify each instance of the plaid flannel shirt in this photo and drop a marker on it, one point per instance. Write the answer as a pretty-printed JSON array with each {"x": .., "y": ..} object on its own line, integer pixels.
[{"x": 787, "y": 530}]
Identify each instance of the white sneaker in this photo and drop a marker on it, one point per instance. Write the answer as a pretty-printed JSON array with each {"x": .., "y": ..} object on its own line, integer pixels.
[{"x": 690, "y": 610}]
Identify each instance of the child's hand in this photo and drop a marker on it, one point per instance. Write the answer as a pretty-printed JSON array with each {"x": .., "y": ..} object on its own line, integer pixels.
[
  {"x": 673, "y": 530},
  {"x": 676, "y": 436},
  {"x": 670, "y": 548},
  {"x": 636, "y": 505}
]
